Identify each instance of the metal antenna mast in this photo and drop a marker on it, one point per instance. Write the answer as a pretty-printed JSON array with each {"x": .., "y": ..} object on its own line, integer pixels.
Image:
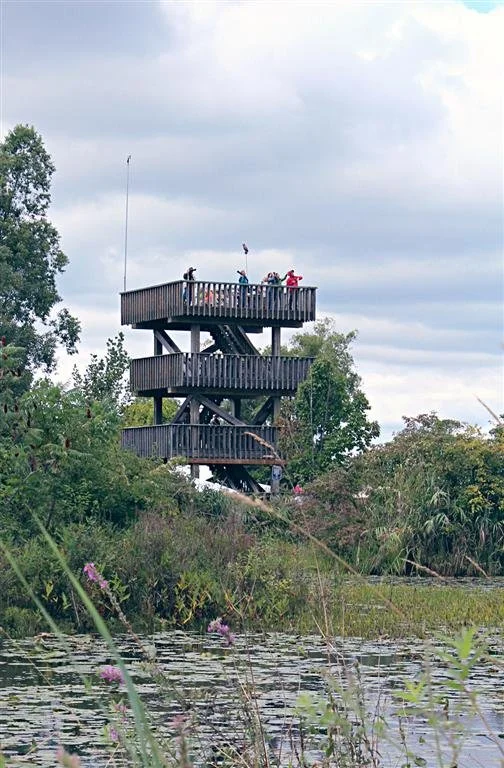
[{"x": 126, "y": 222}]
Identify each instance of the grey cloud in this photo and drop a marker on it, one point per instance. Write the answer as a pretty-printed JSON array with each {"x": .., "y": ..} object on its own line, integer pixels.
[
  {"x": 37, "y": 35},
  {"x": 328, "y": 151}
]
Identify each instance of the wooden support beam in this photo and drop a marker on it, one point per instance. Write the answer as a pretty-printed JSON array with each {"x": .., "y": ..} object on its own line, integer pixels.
[
  {"x": 158, "y": 410},
  {"x": 276, "y": 476},
  {"x": 166, "y": 341},
  {"x": 237, "y": 403},
  {"x": 221, "y": 413},
  {"x": 195, "y": 339},
  {"x": 158, "y": 401},
  {"x": 264, "y": 411},
  {"x": 194, "y": 405},
  {"x": 235, "y": 476},
  {"x": 276, "y": 340},
  {"x": 210, "y": 350},
  {"x": 276, "y": 347},
  {"x": 245, "y": 340},
  {"x": 177, "y": 419},
  {"x": 243, "y": 479}
]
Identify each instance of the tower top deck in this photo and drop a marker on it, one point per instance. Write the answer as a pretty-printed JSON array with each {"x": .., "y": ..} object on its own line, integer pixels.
[{"x": 181, "y": 304}]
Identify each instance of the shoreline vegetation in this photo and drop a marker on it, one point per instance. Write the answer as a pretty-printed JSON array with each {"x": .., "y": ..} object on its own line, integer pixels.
[
  {"x": 425, "y": 720},
  {"x": 181, "y": 572}
]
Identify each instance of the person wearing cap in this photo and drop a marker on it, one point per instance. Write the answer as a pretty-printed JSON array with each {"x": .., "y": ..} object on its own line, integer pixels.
[{"x": 189, "y": 289}]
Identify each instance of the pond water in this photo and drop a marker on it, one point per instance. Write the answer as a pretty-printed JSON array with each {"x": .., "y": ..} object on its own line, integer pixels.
[{"x": 50, "y": 695}]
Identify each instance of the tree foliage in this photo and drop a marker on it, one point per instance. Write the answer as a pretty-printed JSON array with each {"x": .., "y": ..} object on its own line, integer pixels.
[
  {"x": 104, "y": 377},
  {"x": 435, "y": 496},
  {"x": 327, "y": 419},
  {"x": 140, "y": 412},
  {"x": 30, "y": 253}
]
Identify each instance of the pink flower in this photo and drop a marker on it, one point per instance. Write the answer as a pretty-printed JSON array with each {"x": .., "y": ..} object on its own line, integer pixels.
[
  {"x": 111, "y": 674},
  {"x": 179, "y": 722},
  {"x": 215, "y": 625},
  {"x": 94, "y": 574},
  {"x": 222, "y": 629}
]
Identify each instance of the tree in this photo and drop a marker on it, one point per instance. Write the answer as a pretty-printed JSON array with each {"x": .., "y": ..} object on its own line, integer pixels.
[
  {"x": 104, "y": 380},
  {"x": 435, "y": 496},
  {"x": 104, "y": 377},
  {"x": 140, "y": 412},
  {"x": 30, "y": 253},
  {"x": 327, "y": 419}
]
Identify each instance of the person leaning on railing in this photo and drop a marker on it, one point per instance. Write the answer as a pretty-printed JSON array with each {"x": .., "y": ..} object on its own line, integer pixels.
[
  {"x": 292, "y": 282},
  {"x": 188, "y": 293},
  {"x": 271, "y": 280}
]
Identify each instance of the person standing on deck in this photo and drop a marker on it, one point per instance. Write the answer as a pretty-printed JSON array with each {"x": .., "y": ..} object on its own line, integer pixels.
[
  {"x": 270, "y": 280},
  {"x": 292, "y": 283},
  {"x": 189, "y": 288},
  {"x": 277, "y": 282},
  {"x": 243, "y": 280}
]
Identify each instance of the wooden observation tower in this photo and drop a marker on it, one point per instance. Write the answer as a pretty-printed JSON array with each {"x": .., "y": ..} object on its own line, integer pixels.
[{"x": 205, "y": 430}]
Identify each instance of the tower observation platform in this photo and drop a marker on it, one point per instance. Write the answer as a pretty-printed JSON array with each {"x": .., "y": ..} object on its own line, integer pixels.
[{"x": 213, "y": 382}]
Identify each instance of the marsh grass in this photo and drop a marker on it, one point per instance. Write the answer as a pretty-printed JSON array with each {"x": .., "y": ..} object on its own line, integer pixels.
[
  {"x": 361, "y": 611},
  {"x": 342, "y": 729}
]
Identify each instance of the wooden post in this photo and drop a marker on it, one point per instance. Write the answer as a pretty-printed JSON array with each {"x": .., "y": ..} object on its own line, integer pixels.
[
  {"x": 158, "y": 401},
  {"x": 194, "y": 405},
  {"x": 276, "y": 472},
  {"x": 276, "y": 476},
  {"x": 275, "y": 352}
]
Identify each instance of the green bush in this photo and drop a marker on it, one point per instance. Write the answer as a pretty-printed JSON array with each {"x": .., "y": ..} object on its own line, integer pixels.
[{"x": 20, "y": 622}]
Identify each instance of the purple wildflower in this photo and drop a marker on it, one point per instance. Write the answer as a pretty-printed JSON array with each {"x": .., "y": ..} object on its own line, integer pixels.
[
  {"x": 114, "y": 734},
  {"x": 215, "y": 625},
  {"x": 94, "y": 574},
  {"x": 111, "y": 674},
  {"x": 221, "y": 629},
  {"x": 179, "y": 722}
]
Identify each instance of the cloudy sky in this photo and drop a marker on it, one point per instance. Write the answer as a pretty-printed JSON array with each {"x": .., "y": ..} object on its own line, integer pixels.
[{"x": 359, "y": 142}]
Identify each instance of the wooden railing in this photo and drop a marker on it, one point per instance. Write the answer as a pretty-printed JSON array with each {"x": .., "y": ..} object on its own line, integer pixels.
[
  {"x": 218, "y": 372},
  {"x": 202, "y": 443},
  {"x": 214, "y": 299}
]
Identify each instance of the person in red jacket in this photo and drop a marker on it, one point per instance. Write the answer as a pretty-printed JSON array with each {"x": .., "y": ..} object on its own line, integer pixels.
[
  {"x": 291, "y": 283},
  {"x": 292, "y": 279}
]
